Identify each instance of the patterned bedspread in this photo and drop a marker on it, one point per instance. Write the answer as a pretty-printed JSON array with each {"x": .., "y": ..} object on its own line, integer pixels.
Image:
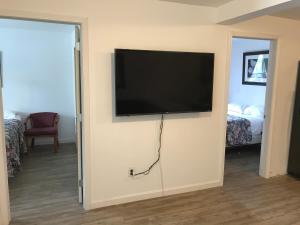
[
  {"x": 15, "y": 144},
  {"x": 238, "y": 131}
]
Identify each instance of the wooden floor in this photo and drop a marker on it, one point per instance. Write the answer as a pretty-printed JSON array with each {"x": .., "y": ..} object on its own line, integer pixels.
[
  {"x": 46, "y": 186},
  {"x": 245, "y": 198}
]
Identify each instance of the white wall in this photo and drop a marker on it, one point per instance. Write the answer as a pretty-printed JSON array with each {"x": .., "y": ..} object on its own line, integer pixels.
[
  {"x": 38, "y": 69},
  {"x": 193, "y": 144},
  {"x": 239, "y": 93}
]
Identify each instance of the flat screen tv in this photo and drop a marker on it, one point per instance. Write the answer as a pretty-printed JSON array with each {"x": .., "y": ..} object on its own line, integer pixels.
[{"x": 160, "y": 82}]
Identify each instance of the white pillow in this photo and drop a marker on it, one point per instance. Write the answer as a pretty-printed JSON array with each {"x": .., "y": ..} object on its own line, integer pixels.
[
  {"x": 261, "y": 108},
  {"x": 235, "y": 108},
  {"x": 253, "y": 111},
  {"x": 9, "y": 114}
]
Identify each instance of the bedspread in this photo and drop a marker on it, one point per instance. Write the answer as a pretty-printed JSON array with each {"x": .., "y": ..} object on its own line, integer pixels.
[
  {"x": 15, "y": 144},
  {"x": 238, "y": 131}
]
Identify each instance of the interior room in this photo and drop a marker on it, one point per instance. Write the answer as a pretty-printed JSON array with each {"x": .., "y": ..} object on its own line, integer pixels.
[
  {"x": 246, "y": 105},
  {"x": 154, "y": 93},
  {"x": 38, "y": 91}
]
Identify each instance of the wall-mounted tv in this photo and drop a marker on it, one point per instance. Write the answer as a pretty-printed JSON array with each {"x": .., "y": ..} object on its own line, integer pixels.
[{"x": 160, "y": 82}]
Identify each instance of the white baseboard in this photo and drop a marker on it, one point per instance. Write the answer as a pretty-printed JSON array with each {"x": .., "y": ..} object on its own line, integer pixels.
[
  {"x": 192, "y": 187},
  {"x": 126, "y": 199},
  {"x": 154, "y": 194}
]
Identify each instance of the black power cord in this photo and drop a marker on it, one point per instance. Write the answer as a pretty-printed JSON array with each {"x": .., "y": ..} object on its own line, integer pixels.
[{"x": 146, "y": 172}]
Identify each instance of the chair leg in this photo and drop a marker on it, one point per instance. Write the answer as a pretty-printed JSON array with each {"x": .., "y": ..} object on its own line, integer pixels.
[
  {"x": 32, "y": 142},
  {"x": 55, "y": 144},
  {"x": 27, "y": 139}
]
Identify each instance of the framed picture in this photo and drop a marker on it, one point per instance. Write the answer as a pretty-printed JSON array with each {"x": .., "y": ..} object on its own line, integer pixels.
[{"x": 255, "y": 68}]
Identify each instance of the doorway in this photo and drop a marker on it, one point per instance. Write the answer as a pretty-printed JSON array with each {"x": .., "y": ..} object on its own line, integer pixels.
[
  {"x": 42, "y": 73},
  {"x": 249, "y": 107}
]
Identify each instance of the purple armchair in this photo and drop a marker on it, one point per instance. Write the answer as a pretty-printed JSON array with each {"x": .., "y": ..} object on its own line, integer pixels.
[{"x": 43, "y": 124}]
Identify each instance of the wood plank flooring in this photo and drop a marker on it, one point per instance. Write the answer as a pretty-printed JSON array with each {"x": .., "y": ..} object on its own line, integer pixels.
[
  {"x": 245, "y": 198},
  {"x": 46, "y": 185}
]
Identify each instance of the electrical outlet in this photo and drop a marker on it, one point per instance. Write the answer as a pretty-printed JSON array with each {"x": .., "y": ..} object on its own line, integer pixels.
[{"x": 130, "y": 172}]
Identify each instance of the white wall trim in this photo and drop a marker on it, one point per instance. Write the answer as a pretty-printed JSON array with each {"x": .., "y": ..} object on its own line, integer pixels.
[
  {"x": 155, "y": 194},
  {"x": 257, "y": 35},
  {"x": 266, "y": 151},
  {"x": 226, "y": 96},
  {"x": 86, "y": 142},
  {"x": 265, "y": 158},
  {"x": 4, "y": 196}
]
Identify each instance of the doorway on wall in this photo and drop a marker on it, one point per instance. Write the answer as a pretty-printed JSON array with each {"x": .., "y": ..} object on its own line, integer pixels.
[
  {"x": 249, "y": 101},
  {"x": 41, "y": 91}
]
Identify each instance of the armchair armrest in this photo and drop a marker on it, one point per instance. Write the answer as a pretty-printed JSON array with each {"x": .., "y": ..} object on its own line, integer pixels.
[{"x": 26, "y": 122}]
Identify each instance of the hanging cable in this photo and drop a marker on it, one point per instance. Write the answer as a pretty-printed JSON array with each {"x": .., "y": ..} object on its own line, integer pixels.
[{"x": 146, "y": 172}]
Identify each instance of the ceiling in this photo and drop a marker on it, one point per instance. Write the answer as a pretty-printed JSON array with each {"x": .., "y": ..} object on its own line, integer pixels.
[
  {"x": 293, "y": 13},
  {"x": 211, "y": 3}
]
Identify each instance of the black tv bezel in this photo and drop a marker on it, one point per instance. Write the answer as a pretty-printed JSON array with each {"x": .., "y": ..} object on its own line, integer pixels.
[{"x": 166, "y": 112}]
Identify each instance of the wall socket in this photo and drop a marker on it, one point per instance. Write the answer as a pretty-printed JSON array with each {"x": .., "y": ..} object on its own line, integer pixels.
[{"x": 130, "y": 172}]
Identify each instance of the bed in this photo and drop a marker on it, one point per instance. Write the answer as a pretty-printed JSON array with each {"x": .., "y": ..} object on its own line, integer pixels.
[
  {"x": 244, "y": 127},
  {"x": 14, "y": 141}
]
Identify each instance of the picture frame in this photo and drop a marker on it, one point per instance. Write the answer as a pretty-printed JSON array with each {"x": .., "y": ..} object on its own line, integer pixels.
[{"x": 255, "y": 68}]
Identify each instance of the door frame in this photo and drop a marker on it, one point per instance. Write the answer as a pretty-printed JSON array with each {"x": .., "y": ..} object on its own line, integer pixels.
[
  {"x": 5, "y": 216},
  {"x": 78, "y": 97},
  {"x": 266, "y": 147}
]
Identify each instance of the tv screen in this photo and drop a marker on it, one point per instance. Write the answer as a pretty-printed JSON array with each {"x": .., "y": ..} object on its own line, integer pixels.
[{"x": 159, "y": 82}]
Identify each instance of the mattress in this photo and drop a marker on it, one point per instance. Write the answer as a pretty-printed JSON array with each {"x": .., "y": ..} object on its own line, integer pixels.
[
  {"x": 256, "y": 139},
  {"x": 255, "y": 127}
]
